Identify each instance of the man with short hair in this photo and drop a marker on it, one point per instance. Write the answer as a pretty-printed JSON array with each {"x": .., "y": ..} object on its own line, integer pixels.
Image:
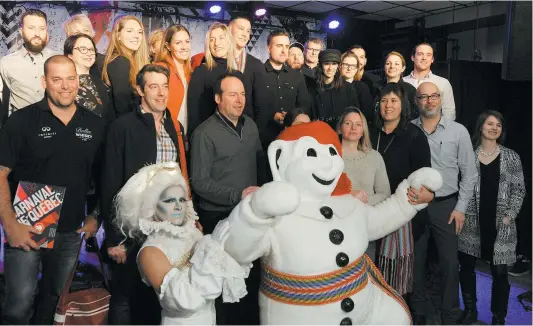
[
  {"x": 453, "y": 156},
  {"x": 226, "y": 157},
  {"x": 312, "y": 48},
  {"x": 278, "y": 89},
  {"x": 142, "y": 137},
  {"x": 21, "y": 71},
  {"x": 52, "y": 142},
  {"x": 296, "y": 56},
  {"x": 372, "y": 81},
  {"x": 423, "y": 56}
]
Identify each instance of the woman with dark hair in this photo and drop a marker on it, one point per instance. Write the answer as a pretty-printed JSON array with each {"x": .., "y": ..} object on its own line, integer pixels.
[
  {"x": 394, "y": 68},
  {"x": 330, "y": 94},
  {"x": 350, "y": 68},
  {"x": 296, "y": 117},
  {"x": 405, "y": 149},
  {"x": 363, "y": 165},
  {"x": 92, "y": 93},
  {"x": 489, "y": 231}
]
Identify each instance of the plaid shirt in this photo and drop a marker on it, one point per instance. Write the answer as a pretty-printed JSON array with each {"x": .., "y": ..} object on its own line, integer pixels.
[{"x": 166, "y": 150}]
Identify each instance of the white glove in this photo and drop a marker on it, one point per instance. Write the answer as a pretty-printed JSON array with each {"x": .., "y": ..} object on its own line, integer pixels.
[
  {"x": 427, "y": 177},
  {"x": 221, "y": 233},
  {"x": 276, "y": 198}
]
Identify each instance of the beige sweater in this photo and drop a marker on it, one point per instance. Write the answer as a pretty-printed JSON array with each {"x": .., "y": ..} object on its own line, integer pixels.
[{"x": 367, "y": 172}]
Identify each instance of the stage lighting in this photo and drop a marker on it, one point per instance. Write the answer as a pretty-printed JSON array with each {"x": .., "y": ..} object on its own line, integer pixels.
[
  {"x": 258, "y": 8},
  {"x": 215, "y": 9},
  {"x": 334, "y": 24},
  {"x": 260, "y": 12}
]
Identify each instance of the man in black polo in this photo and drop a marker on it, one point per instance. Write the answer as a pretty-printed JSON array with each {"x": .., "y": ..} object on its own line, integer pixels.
[
  {"x": 142, "y": 137},
  {"x": 278, "y": 89},
  {"x": 52, "y": 142}
]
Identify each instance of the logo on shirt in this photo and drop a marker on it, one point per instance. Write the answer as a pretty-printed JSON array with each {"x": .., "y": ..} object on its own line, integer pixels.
[
  {"x": 46, "y": 132},
  {"x": 84, "y": 134}
]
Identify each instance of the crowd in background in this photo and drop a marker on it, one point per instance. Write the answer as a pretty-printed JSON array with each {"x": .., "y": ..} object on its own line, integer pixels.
[{"x": 89, "y": 121}]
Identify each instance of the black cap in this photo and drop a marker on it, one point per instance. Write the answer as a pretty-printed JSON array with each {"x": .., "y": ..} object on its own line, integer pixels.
[
  {"x": 297, "y": 45},
  {"x": 329, "y": 55}
]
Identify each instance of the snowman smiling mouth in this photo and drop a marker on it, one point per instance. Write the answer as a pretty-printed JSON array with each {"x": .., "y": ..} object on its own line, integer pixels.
[{"x": 323, "y": 182}]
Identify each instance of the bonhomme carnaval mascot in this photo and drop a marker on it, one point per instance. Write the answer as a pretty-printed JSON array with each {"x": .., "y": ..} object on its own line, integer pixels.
[
  {"x": 186, "y": 269},
  {"x": 312, "y": 235}
]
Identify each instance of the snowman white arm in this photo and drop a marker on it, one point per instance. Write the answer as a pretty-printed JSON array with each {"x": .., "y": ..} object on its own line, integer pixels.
[
  {"x": 391, "y": 214},
  {"x": 252, "y": 220}
]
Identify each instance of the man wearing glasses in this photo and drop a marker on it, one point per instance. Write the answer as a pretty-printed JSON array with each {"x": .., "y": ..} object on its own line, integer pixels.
[
  {"x": 311, "y": 50},
  {"x": 453, "y": 156},
  {"x": 423, "y": 57},
  {"x": 21, "y": 71}
]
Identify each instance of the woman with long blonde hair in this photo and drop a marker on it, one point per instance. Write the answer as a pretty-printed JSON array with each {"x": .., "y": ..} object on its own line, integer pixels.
[
  {"x": 126, "y": 55},
  {"x": 219, "y": 60}
]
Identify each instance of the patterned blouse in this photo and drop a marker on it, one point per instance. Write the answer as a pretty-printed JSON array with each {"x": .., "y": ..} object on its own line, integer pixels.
[{"x": 88, "y": 96}]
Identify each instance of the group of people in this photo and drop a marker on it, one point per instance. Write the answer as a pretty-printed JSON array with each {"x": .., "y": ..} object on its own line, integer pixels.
[{"x": 89, "y": 122}]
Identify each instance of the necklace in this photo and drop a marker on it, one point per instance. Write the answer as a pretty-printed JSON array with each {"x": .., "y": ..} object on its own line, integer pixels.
[
  {"x": 390, "y": 142},
  {"x": 488, "y": 154}
]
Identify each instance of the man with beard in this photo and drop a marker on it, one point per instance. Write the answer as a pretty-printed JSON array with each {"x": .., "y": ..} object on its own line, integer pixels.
[
  {"x": 453, "y": 156},
  {"x": 51, "y": 142},
  {"x": 21, "y": 71},
  {"x": 296, "y": 56},
  {"x": 423, "y": 56},
  {"x": 278, "y": 89}
]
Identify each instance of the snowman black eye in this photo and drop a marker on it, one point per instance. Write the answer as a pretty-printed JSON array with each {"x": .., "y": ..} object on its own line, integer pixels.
[
  {"x": 332, "y": 151},
  {"x": 311, "y": 152}
]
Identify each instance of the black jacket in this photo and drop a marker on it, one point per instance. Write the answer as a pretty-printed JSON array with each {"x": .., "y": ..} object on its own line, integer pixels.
[
  {"x": 276, "y": 91},
  {"x": 123, "y": 96},
  {"x": 366, "y": 103},
  {"x": 130, "y": 145},
  {"x": 201, "y": 94},
  {"x": 373, "y": 82},
  {"x": 329, "y": 104},
  {"x": 253, "y": 65}
]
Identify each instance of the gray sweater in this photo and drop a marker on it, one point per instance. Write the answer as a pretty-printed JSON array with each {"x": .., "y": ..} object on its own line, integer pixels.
[
  {"x": 367, "y": 172},
  {"x": 223, "y": 163}
]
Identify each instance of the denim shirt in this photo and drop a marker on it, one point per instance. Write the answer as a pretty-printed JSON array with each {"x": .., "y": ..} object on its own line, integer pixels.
[{"x": 452, "y": 155}]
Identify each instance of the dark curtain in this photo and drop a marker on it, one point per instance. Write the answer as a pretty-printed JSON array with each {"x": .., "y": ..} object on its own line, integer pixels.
[{"x": 477, "y": 87}]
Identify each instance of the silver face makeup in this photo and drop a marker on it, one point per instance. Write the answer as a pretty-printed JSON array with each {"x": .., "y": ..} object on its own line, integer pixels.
[{"x": 171, "y": 205}]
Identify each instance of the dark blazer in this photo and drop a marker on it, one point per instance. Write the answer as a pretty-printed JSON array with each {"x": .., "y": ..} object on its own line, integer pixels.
[
  {"x": 123, "y": 97},
  {"x": 130, "y": 145}
]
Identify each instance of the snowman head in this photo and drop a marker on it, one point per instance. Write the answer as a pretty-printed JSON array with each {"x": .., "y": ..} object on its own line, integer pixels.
[{"x": 308, "y": 156}]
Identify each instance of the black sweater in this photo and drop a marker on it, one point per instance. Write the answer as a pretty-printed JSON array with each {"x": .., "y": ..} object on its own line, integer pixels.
[
  {"x": 122, "y": 95},
  {"x": 329, "y": 104},
  {"x": 201, "y": 94},
  {"x": 130, "y": 145},
  {"x": 253, "y": 65}
]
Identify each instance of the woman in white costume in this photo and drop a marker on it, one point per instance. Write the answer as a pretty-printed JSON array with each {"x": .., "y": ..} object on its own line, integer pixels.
[{"x": 186, "y": 269}]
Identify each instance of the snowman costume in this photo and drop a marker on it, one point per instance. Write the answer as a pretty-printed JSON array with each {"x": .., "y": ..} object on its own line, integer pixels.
[
  {"x": 201, "y": 269},
  {"x": 312, "y": 235}
]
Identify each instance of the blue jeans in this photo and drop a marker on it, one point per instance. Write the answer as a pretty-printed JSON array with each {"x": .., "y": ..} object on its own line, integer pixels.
[{"x": 21, "y": 271}]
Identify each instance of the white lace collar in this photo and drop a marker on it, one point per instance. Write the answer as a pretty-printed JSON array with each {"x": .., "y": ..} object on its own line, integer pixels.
[{"x": 149, "y": 226}]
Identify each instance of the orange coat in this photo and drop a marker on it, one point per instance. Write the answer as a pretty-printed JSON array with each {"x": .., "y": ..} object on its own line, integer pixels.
[
  {"x": 176, "y": 96},
  {"x": 196, "y": 60}
]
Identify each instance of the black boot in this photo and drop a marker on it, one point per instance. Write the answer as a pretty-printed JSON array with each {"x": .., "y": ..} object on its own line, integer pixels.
[
  {"x": 467, "y": 279},
  {"x": 469, "y": 315},
  {"x": 500, "y": 294}
]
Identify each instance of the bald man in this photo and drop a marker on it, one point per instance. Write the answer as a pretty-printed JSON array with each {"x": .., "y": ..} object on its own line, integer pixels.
[
  {"x": 452, "y": 155},
  {"x": 52, "y": 142}
]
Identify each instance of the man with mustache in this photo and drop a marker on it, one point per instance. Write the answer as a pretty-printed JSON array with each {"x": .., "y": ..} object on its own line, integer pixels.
[
  {"x": 423, "y": 56},
  {"x": 453, "y": 156},
  {"x": 296, "y": 56},
  {"x": 21, "y": 71}
]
